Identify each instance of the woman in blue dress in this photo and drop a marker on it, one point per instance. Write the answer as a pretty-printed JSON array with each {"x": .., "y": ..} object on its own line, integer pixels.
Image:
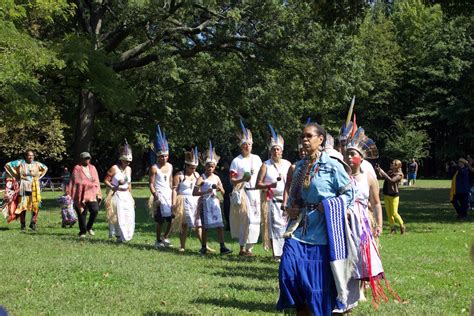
[{"x": 313, "y": 260}]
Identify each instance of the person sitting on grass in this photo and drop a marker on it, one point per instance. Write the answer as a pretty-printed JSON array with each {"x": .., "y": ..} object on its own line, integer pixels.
[{"x": 209, "y": 205}]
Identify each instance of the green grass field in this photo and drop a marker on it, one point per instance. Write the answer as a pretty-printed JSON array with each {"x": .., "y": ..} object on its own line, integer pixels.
[{"x": 53, "y": 272}]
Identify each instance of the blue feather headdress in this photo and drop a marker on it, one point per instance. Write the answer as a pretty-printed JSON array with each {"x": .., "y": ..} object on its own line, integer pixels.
[
  {"x": 246, "y": 135},
  {"x": 276, "y": 139},
  {"x": 161, "y": 144},
  {"x": 210, "y": 156},
  {"x": 192, "y": 157}
]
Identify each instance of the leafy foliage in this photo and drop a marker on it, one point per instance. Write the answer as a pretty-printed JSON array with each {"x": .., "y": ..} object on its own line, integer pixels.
[{"x": 405, "y": 142}]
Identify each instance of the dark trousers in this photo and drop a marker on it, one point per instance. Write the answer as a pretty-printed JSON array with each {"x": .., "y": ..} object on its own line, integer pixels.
[
  {"x": 227, "y": 210},
  {"x": 34, "y": 216},
  {"x": 93, "y": 208},
  {"x": 460, "y": 203}
]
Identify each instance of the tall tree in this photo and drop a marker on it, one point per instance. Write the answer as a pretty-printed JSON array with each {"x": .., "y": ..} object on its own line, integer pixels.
[{"x": 112, "y": 38}]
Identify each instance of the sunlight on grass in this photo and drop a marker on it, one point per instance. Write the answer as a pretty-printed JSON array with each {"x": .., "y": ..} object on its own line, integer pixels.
[{"x": 52, "y": 272}]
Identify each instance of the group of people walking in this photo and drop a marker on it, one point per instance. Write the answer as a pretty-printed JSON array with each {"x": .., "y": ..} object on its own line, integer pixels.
[{"x": 321, "y": 216}]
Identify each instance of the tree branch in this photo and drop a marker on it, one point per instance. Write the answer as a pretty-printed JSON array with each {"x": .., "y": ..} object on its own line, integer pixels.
[
  {"x": 135, "y": 51},
  {"x": 134, "y": 62},
  {"x": 80, "y": 13}
]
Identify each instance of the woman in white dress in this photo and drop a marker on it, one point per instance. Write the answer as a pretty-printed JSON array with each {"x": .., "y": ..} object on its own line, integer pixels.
[
  {"x": 119, "y": 203},
  {"x": 272, "y": 179}
]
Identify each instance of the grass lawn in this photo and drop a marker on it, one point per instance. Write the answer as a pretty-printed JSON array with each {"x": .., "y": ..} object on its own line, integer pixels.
[{"x": 53, "y": 272}]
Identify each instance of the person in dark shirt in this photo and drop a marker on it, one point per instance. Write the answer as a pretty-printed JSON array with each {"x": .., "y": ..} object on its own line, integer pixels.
[
  {"x": 460, "y": 187},
  {"x": 412, "y": 172}
]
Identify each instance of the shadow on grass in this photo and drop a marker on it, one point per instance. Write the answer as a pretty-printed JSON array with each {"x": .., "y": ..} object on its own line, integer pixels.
[
  {"x": 252, "y": 273},
  {"x": 242, "y": 287},
  {"x": 426, "y": 205},
  {"x": 242, "y": 305}
]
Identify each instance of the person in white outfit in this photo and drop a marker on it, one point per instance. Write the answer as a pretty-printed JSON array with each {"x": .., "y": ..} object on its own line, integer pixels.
[
  {"x": 119, "y": 202},
  {"x": 209, "y": 205},
  {"x": 160, "y": 183},
  {"x": 184, "y": 202},
  {"x": 245, "y": 198},
  {"x": 272, "y": 178}
]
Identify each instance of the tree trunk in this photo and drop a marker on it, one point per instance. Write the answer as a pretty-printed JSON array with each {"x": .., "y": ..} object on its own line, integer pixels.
[{"x": 85, "y": 122}]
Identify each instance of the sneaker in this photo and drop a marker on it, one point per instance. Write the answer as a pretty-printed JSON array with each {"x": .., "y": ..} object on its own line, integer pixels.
[
  {"x": 203, "y": 251},
  {"x": 23, "y": 228},
  {"x": 167, "y": 243},
  {"x": 225, "y": 251},
  {"x": 33, "y": 226},
  {"x": 182, "y": 250},
  {"x": 393, "y": 231},
  {"x": 82, "y": 236},
  {"x": 91, "y": 232},
  {"x": 159, "y": 244}
]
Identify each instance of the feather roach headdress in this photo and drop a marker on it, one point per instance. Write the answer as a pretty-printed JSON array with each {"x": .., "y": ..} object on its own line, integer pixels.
[
  {"x": 161, "y": 144},
  {"x": 210, "y": 156},
  {"x": 348, "y": 128},
  {"x": 246, "y": 135},
  {"x": 276, "y": 139},
  {"x": 364, "y": 145},
  {"x": 125, "y": 152},
  {"x": 192, "y": 157}
]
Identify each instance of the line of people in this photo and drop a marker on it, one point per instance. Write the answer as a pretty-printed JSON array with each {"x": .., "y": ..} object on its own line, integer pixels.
[{"x": 331, "y": 198}]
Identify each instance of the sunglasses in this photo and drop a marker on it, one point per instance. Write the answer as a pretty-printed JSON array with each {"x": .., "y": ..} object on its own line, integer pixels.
[{"x": 308, "y": 136}]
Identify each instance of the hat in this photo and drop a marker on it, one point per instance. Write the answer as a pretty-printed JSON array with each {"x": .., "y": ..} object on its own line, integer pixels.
[
  {"x": 464, "y": 161},
  {"x": 125, "y": 152},
  {"x": 245, "y": 136},
  {"x": 364, "y": 145},
  {"x": 276, "y": 139},
  {"x": 85, "y": 155},
  {"x": 192, "y": 157},
  {"x": 210, "y": 156},
  {"x": 161, "y": 143}
]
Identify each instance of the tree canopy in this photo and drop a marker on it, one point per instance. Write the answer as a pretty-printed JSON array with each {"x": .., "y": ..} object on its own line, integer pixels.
[{"x": 83, "y": 75}]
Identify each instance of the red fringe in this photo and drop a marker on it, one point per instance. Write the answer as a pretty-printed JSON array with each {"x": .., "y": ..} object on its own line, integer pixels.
[{"x": 376, "y": 286}]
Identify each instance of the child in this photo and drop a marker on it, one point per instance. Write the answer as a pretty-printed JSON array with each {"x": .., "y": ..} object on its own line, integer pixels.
[
  {"x": 209, "y": 205},
  {"x": 68, "y": 214}
]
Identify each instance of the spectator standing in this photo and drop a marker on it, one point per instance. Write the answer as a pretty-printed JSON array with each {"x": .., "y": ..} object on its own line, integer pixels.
[
  {"x": 84, "y": 189},
  {"x": 412, "y": 172},
  {"x": 460, "y": 187}
]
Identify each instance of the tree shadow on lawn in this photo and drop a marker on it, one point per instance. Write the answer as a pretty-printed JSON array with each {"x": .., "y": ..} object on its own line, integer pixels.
[
  {"x": 428, "y": 205},
  {"x": 244, "y": 287},
  {"x": 66, "y": 235},
  {"x": 252, "y": 273},
  {"x": 242, "y": 305}
]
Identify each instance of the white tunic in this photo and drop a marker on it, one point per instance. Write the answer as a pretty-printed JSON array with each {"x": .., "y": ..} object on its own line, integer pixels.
[
  {"x": 124, "y": 205},
  {"x": 211, "y": 207},
  {"x": 185, "y": 189},
  {"x": 277, "y": 221},
  {"x": 239, "y": 166},
  {"x": 163, "y": 189}
]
